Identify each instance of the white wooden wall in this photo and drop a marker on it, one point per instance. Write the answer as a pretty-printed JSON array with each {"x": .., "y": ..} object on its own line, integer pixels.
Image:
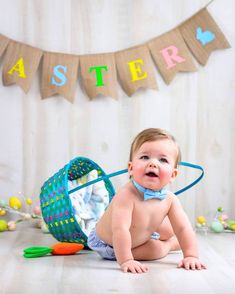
[{"x": 38, "y": 137}]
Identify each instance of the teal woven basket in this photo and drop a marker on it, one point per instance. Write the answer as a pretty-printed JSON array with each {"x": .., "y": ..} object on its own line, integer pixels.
[{"x": 56, "y": 206}]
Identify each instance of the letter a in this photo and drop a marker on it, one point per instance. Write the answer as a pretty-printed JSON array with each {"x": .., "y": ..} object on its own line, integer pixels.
[{"x": 19, "y": 66}]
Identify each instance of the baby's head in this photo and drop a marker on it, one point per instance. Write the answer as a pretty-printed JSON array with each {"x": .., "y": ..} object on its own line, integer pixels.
[{"x": 153, "y": 134}]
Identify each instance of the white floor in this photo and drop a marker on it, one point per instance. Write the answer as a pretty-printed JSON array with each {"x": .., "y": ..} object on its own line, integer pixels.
[{"x": 87, "y": 273}]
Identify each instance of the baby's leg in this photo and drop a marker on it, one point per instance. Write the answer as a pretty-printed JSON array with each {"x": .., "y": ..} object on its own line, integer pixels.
[
  {"x": 154, "y": 249},
  {"x": 165, "y": 229},
  {"x": 166, "y": 232}
]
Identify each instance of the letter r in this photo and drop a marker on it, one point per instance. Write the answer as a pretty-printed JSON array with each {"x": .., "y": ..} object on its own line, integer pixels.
[{"x": 171, "y": 57}]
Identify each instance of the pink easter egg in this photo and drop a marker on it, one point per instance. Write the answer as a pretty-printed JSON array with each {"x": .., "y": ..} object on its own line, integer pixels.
[
  {"x": 37, "y": 210},
  {"x": 224, "y": 217},
  {"x": 11, "y": 226}
]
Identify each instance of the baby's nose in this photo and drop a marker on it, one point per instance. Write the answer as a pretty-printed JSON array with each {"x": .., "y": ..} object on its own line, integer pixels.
[{"x": 153, "y": 163}]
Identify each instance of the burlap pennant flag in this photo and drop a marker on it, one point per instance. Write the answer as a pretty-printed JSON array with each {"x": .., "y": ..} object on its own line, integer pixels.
[
  {"x": 135, "y": 69},
  {"x": 99, "y": 75},
  {"x": 3, "y": 44},
  {"x": 59, "y": 75},
  {"x": 20, "y": 65},
  {"x": 202, "y": 35},
  {"x": 171, "y": 55}
]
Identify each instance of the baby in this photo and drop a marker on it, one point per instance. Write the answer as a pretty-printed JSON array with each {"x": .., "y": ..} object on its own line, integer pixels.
[{"x": 143, "y": 217}]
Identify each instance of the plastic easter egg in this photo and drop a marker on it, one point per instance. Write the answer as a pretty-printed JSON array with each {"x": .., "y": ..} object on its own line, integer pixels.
[
  {"x": 37, "y": 210},
  {"x": 232, "y": 227},
  {"x": 231, "y": 223},
  {"x": 2, "y": 212},
  {"x": 3, "y": 225},
  {"x": 223, "y": 217},
  {"x": 14, "y": 202},
  {"x": 2, "y": 203},
  {"x": 198, "y": 225},
  {"x": 217, "y": 227},
  {"x": 27, "y": 216},
  {"x": 11, "y": 226},
  {"x": 201, "y": 219},
  {"x": 29, "y": 201}
]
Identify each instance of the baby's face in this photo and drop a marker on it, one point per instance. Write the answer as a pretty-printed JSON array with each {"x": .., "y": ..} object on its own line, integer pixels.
[{"x": 153, "y": 164}]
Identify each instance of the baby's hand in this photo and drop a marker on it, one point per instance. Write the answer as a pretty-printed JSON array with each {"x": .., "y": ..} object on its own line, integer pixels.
[
  {"x": 133, "y": 266},
  {"x": 191, "y": 263}
]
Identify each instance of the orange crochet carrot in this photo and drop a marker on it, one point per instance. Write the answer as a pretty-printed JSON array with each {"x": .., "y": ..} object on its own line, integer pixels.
[{"x": 63, "y": 248}]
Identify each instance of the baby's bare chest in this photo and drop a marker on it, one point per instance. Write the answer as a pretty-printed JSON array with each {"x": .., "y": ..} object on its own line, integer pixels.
[{"x": 149, "y": 214}]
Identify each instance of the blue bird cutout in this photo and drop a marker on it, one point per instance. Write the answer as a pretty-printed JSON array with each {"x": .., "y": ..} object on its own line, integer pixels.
[{"x": 204, "y": 37}]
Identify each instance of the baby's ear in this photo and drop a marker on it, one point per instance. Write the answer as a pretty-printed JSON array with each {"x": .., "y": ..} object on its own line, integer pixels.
[
  {"x": 174, "y": 174},
  {"x": 130, "y": 168}
]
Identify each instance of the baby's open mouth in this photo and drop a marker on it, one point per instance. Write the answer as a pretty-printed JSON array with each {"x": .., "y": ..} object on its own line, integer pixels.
[{"x": 151, "y": 174}]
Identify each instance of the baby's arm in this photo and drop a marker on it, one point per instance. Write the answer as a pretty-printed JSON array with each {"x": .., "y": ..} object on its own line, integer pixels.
[
  {"x": 121, "y": 221},
  {"x": 185, "y": 235}
]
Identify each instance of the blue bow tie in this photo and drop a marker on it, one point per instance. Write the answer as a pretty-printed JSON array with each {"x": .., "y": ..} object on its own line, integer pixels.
[{"x": 151, "y": 194}]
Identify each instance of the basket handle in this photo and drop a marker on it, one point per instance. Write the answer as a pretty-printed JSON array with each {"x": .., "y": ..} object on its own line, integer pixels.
[
  {"x": 187, "y": 164},
  {"x": 123, "y": 171}
]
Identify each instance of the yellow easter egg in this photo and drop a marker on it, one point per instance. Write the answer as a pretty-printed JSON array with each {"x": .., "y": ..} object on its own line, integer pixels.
[
  {"x": 2, "y": 212},
  {"x": 29, "y": 201},
  {"x": 14, "y": 202},
  {"x": 232, "y": 227},
  {"x": 201, "y": 219}
]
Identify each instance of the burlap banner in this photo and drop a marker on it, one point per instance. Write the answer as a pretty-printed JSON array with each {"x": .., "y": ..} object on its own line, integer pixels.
[
  {"x": 171, "y": 52},
  {"x": 59, "y": 75},
  {"x": 99, "y": 74},
  {"x": 135, "y": 69},
  {"x": 202, "y": 35},
  {"x": 20, "y": 64},
  {"x": 171, "y": 55},
  {"x": 3, "y": 44}
]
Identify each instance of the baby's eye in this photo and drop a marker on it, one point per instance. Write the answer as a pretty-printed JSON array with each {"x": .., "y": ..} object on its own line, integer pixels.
[
  {"x": 163, "y": 160},
  {"x": 144, "y": 157}
]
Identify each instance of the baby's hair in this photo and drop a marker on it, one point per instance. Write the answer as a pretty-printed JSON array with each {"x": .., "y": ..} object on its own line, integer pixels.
[{"x": 152, "y": 134}]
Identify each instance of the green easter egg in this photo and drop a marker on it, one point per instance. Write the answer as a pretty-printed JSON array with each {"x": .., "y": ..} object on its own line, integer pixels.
[
  {"x": 231, "y": 223},
  {"x": 3, "y": 225},
  {"x": 217, "y": 227},
  {"x": 2, "y": 203}
]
